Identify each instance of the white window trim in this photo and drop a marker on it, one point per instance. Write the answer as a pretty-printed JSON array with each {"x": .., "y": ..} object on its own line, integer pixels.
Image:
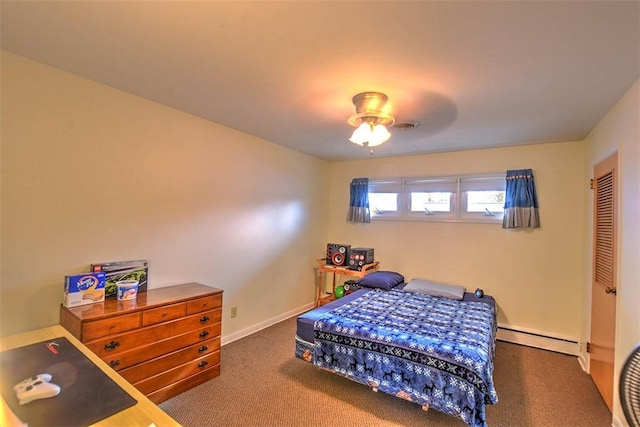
[{"x": 403, "y": 186}]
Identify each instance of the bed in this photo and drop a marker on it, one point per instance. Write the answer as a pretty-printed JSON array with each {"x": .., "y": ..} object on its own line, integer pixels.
[{"x": 434, "y": 351}]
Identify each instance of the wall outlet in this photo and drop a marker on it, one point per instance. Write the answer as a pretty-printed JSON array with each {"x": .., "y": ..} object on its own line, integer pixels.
[{"x": 234, "y": 312}]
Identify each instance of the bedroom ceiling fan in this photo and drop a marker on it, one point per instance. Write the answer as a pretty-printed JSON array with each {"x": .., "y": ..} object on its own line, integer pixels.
[{"x": 372, "y": 119}]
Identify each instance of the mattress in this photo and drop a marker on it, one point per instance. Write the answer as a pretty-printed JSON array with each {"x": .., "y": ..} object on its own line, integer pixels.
[{"x": 305, "y": 322}]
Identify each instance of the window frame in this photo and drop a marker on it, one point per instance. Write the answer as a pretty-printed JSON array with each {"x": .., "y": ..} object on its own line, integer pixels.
[
  {"x": 457, "y": 185},
  {"x": 432, "y": 185},
  {"x": 386, "y": 186}
]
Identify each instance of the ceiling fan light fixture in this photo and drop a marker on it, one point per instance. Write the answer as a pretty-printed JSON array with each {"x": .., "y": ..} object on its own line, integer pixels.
[
  {"x": 380, "y": 135},
  {"x": 370, "y": 120},
  {"x": 361, "y": 134},
  {"x": 370, "y": 135}
]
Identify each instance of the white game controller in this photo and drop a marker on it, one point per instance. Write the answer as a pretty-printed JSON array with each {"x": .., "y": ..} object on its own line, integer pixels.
[{"x": 38, "y": 387}]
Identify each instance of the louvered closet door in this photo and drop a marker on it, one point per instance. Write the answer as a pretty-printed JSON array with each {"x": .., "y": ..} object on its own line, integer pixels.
[{"x": 603, "y": 289}]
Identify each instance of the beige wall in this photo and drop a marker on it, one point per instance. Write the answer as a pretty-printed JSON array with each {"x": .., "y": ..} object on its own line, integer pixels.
[
  {"x": 619, "y": 131},
  {"x": 92, "y": 174},
  {"x": 536, "y": 276}
]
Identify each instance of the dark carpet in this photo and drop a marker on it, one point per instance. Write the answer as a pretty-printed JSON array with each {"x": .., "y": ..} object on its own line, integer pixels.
[{"x": 263, "y": 384}]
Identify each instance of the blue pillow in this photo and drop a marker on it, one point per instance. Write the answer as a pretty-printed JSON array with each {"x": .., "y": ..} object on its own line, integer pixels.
[{"x": 381, "y": 279}]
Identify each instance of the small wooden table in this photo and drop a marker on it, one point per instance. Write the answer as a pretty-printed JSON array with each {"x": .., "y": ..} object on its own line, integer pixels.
[
  {"x": 340, "y": 271},
  {"x": 144, "y": 413}
]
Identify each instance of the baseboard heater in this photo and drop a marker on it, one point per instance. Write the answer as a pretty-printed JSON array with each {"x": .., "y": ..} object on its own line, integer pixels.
[{"x": 538, "y": 340}]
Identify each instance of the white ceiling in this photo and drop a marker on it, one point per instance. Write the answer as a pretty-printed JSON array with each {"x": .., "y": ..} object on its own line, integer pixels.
[{"x": 474, "y": 74}]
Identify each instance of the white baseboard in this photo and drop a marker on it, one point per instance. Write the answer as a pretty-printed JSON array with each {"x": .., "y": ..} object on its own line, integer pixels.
[
  {"x": 538, "y": 339},
  {"x": 583, "y": 359},
  {"x": 226, "y": 339}
]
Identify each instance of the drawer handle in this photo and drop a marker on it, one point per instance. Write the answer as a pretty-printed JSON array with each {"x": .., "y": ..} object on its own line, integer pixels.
[
  {"x": 204, "y": 319},
  {"x": 202, "y": 364},
  {"x": 204, "y": 334},
  {"x": 112, "y": 345},
  {"x": 203, "y": 349},
  {"x": 114, "y": 363}
]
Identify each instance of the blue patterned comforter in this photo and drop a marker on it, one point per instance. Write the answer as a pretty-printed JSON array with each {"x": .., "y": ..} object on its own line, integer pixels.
[{"x": 429, "y": 350}]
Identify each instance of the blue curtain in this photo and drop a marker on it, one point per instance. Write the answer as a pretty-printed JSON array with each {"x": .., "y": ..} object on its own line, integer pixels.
[
  {"x": 521, "y": 202},
  {"x": 359, "y": 201}
]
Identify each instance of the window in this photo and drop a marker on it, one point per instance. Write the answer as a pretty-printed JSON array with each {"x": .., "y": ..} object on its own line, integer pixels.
[
  {"x": 383, "y": 202},
  {"x": 482, "y": 197},
  {"x": 478, "y": 198},
  {"x": 428, "y": 202},
  {"x": 384, "y": 198},
  {"x": 485, "y": 201},
  {"x": 434, "y": 197}
]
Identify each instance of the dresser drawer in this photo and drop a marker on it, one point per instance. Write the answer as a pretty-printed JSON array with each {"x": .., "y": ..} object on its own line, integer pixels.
[
  {"x": 202, "y": 304},
  {"x": 114, "y": 344},
  {"x": 162, "y": 314},
  {"x": 122, "y": 360},
  {"x": 167, "y": 361},
  {"x": 178, "y": 373},
  {"x": 110, "y": 326}
]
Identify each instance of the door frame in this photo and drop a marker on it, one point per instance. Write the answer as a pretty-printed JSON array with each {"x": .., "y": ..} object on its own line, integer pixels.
[{"x": 601, "y": 169}]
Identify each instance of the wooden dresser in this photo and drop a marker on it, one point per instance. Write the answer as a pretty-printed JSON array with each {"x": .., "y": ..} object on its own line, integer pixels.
[{"x": 164, "y": 342}]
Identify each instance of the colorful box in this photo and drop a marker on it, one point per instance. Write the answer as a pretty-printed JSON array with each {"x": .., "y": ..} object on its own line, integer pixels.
[
  {"x": 85, "y": 288},
  {"x": 123, "y": 270}
]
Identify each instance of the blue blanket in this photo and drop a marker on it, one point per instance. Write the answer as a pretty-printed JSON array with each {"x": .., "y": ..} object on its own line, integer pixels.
[{"x": 429, "y": 350}]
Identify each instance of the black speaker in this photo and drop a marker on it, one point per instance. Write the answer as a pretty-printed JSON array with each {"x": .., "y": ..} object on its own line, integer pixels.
[
  {"x": 337, "y": 254},
  {"x": 359, "y": 257},
  {"x": 350, "y": 286}
]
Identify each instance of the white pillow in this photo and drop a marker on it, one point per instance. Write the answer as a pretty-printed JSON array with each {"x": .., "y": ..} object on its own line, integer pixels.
[{"x": 436, "y": 289}]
